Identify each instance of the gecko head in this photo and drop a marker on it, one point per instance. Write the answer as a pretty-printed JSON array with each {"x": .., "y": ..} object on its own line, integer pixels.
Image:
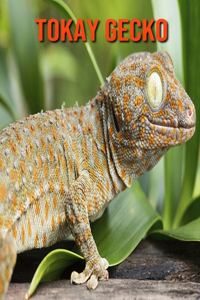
[
  {"x": 150, "y": 108},
  {"x": 150, "y": 112}
]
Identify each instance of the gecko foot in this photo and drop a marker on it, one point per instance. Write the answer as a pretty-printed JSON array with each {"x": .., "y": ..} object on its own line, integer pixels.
[{"x": 92, "y": 272}]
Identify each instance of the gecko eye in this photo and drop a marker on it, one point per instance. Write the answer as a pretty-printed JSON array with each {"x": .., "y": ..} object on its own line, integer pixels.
[{"x": 154, "y": 89}]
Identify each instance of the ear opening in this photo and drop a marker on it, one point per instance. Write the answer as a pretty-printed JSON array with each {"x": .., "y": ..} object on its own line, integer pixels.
[{"x": 115, "y": 119}]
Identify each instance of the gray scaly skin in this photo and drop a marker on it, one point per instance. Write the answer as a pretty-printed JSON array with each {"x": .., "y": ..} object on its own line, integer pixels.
[{"x": 60, "y": 169}]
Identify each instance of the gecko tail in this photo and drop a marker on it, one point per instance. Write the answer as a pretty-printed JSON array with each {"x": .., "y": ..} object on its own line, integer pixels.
[{"x": 7, "y": 261}]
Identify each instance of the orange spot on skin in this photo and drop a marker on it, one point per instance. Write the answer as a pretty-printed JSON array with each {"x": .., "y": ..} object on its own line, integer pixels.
[
  {"x": 132, "y": 67},
  {"x": 46, "y": 170},
  {"x": 167, "y": 96},
  {"x": 126, "y": 99},
  {"x": 19, "y": 138},
  {"x": 43, "y": 144},
  {"x": 143, "y": 69},
  {"x": 13, "y": 147},
  {"x": 172, "y": 87},
  {"x": 36, "y": 240},
  {"x": 119, "y": 137},
  {"x": 21, "y": 207},
  {"x": 46, "y": 210},
  {"x": 128, "y": 115},
  {"x": 37, "y": 208},
  {"x": 63, "y": 162},
  {"x": 123, "y": 69},
  {"x": 1, "y": 285},
  {"x": 72, "y": 219},
  {"x": 23, "y": 167},
  {"x": 8, "y": 224},
  {"x": 54, "y": 133},
  {"x": 63, "y": 124},
  {"x": 172, "y": 104},
  {"x": 59, "y": 221},
  {"x": 138, "y": 101},
  {"x": 44, "y": 239},
  {"x": 14, "y": 233},
  {"x": 53, "y": 224},
  {"x": 28, "y": 153},
  {"x": 118, "y": 85},
  {"x": 97, "y": 117},
  {"x": 35, "y": 173},
  {"x": 128, "y": 79},
  {"x": 31, "y": 197},
  {"x": 142, "y": 119},
  {"x": 31, "y": 129},
  {"x": 23, "y": 235},
  {"x": 14, "y": 202},
  {"x": 57, "y": 172},
  {"x": 30, "y": 144},
  {"x": 51, "y": 153},
  {"x": 110, "y": 131},
  {"x": 40, "y": 127},
  {"x": 54, "y": 201},
  {"x": 12, "y": 175},
  {"x": 145, "y": 109},
  {"x": 151, "y": 139},
  {"x": 29, "y": 228},
  {"x": 180, "y": 105},
  {"x": 66, "y": 145},
  {"x": 123, "y": 174},
  {"x": 62, "y": 191},
  {"x": 139, "y": 82},
  {"x": 3, "y": 192},
  {"x": 51, "y": 184},
  {"x": 158, "y": 114}
]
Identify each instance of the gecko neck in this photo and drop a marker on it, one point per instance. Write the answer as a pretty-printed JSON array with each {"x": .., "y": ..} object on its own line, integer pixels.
[{"x": 102, "y": 103}]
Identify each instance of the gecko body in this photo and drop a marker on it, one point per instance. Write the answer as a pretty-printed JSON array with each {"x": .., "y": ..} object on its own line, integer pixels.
[{"x": 60, "y": 169}]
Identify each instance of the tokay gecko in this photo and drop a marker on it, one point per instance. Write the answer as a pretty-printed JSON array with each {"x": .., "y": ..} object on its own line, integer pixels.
[{"x": 60, "y": 169}]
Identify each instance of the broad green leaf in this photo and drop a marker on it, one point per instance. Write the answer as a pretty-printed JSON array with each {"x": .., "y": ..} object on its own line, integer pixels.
[
  {"x": 192, "y": 212},
  {"x": 169, "y": 10},
  {"x": 52, "y": 267},
  {"x": 190, "y": 12},
  {"x": 123, "y": 225},
  {"x": 64, "y": 9},
  {"x": 189, "y": 232},
  {"x": 25, "y": 44}
]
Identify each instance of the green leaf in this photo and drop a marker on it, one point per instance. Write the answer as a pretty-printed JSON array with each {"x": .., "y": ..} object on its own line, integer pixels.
[
  {"x": 6, "y": 98},
  {"x": 190, "y": 12},
  {"x": 169, "y": 10},
  {"x": 192, "y": 212},
  {"x": 25, "y": 44},
  {"x": 124, "y": 224},
  {"x": 189, "y": 232},
  {"x": 52, "y": 267},
  {"x": 64, "y": 9}
]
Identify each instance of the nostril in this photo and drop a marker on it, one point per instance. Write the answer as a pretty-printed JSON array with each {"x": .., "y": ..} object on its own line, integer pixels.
[{"x": 189, "y": 113}]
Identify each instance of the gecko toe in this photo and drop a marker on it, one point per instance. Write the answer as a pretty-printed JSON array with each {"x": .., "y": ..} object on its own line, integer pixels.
[{"x": 92, "y": 273}]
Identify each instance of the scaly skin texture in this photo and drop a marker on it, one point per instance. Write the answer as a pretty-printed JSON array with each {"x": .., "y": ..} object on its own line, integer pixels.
[{"x": 60, "y": 169}]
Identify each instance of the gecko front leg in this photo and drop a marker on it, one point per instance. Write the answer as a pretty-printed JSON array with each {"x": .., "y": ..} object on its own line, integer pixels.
[{"x": 77, "y": 215}]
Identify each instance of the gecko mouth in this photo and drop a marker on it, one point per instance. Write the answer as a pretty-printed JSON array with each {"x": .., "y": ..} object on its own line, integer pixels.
[
  {"x": 179, "y": 132},
  {"x": 173, "y": 123}
]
